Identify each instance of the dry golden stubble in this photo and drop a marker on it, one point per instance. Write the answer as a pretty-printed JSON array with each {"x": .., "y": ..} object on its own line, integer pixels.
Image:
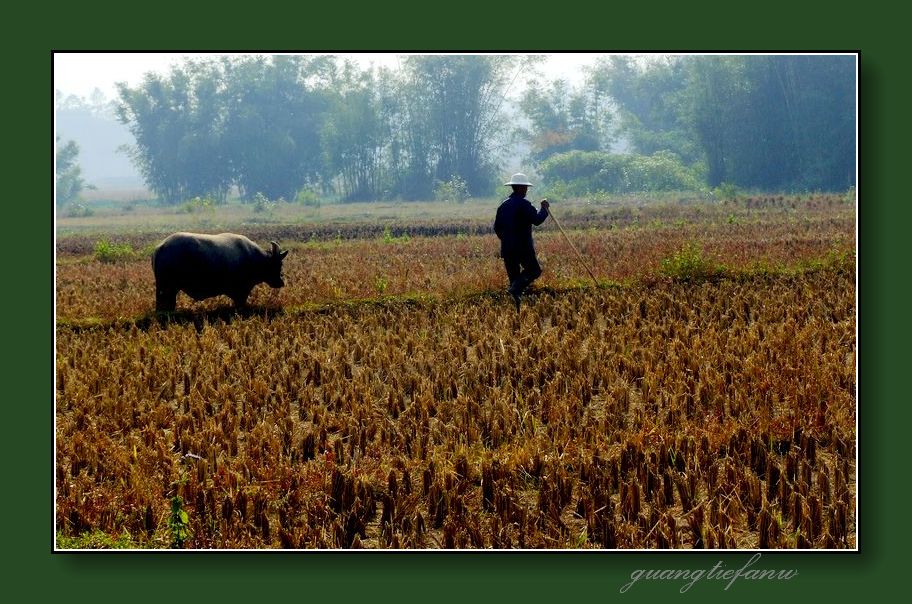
[{"x": 605, "y": 418}]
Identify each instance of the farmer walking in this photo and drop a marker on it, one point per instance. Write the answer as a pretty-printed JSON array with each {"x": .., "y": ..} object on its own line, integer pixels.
[{"x": 513, "y": 226}]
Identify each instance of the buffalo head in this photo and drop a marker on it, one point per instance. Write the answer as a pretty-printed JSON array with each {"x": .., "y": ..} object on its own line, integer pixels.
[{"x": 274, "y": 270}]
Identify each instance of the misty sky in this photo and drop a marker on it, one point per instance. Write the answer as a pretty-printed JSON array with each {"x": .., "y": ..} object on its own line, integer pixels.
[{"x": 81, "y": 73}]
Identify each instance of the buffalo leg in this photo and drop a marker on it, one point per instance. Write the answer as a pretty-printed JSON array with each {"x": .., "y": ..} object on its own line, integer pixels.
[
  {"x": 240, "y": 298},
  {"x": 165, "y": 299}
]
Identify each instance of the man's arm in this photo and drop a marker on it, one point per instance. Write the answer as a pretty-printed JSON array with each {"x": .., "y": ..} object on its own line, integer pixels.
[{"x": 538, "y": 217}]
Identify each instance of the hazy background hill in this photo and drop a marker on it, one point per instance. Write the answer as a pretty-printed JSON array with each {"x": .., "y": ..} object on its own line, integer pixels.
[{"x": 100, "y": 138}]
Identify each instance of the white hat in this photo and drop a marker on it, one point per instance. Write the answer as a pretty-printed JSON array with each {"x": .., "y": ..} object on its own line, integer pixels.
[{"x": 518, "y": 179}]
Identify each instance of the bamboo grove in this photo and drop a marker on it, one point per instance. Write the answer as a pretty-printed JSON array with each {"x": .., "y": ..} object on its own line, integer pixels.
[{"x": 288, "y": 125}]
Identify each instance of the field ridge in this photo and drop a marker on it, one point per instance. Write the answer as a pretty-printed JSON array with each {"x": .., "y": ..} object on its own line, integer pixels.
[{"x": 228, "y": 313}]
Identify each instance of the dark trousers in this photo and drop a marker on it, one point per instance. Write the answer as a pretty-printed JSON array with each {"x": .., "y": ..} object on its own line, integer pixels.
[{"x": 522, "y": 269}]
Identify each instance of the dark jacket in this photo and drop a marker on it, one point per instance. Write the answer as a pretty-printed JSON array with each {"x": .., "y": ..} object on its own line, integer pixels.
[{"x": 513, "y": 224}]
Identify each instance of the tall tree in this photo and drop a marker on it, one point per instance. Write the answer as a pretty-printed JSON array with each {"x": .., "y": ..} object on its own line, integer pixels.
[
  {"x": 202, "y": 150},
  {"x": 69, "y": 175},
  {"x": 561, "y": 119},
  {"x": 819, "y": 104},
  {"x": 648, "y": 94},
  {"x": 249, "y": 121},
  {"x": 774, "y": 122},
  {"x": 175, "y": 121},
  {"x": 272, "y": 132},
  {"x": 354, "y": 135},
  {"x": 453, "y": 110},
  {"x": 713, "y": 89},
  {"x": 778, "y": 122}
]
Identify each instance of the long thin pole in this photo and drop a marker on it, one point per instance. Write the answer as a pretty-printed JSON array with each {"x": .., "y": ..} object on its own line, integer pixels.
[{"x": 573, "y": 247}]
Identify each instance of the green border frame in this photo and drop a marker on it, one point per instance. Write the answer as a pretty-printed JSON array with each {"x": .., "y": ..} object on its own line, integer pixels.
[{"x": 28, "y": 484}]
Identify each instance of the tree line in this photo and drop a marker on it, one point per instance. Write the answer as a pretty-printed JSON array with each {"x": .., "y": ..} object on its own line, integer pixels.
[
  {"x": 769, "y": 123},
  {"x": 284, "y": 126}
]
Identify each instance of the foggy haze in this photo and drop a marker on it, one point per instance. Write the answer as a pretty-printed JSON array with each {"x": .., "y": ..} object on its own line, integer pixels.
[{"x": 80, "y": 74}]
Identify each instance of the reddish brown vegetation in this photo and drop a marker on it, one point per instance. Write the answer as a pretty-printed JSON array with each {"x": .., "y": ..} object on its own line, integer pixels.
[{"x": 454, "y": 265}]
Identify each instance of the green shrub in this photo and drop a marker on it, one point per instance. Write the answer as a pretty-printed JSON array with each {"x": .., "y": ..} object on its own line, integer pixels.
[
  {"x": 849, "y": 196},
  {"x": 198, "y": 204},
  {"x": 583, "y": 173},
  {"x": 261, "y": 204},
  {"x": 388, "y": 236},
  {"x": 690, "y": 264},
  {"x": 454, "y": 189},
  {"x": 727, "y": 191},
  {"x": 662, "y": 171},
  {"x": 108, "y": 252},
  {"x": 834, "y": 258},
  {"x": 179, "y": 523},
  {"x": 553, "y": 191},
  {"x": 381, "y": 283},
  {"x": 79, "y": 210},
  {"x": 308, "y": 197}
]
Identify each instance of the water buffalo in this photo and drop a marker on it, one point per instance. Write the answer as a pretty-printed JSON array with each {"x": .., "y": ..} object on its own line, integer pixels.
[{"x": 203, "y": 266}]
